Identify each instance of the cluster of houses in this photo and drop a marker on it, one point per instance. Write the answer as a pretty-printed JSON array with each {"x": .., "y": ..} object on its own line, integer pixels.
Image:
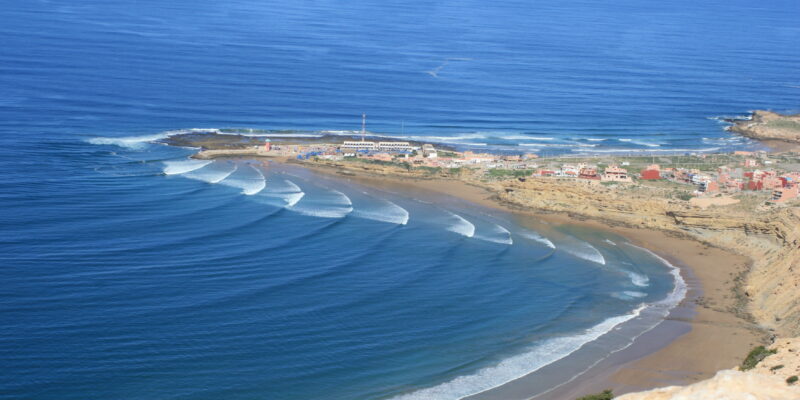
[
  {"x": 613, "y": 173},
  {"x": 748, "y": 177},
  {"x": 783, "y": 186}
]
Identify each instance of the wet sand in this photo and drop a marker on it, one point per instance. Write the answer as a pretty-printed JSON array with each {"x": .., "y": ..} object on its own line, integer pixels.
[{"x": 702, "y": 335}]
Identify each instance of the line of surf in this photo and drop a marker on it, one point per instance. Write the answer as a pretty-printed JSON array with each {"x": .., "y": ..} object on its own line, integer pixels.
[
  {"x": 501, "y": 236},
  {"x": 515, "y": 367},
  {"x": 183, "y": 166}
]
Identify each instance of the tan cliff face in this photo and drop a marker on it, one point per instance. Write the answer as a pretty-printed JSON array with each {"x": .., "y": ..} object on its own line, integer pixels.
[
  {"x": 767, "y": 381},
  {"x": 770, "y": 238}
]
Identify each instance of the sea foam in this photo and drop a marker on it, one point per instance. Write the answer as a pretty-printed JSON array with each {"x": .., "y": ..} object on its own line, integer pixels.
[{"x": 515, "y": 367}]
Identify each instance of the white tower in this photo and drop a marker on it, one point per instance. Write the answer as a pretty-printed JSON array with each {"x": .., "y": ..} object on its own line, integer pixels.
[{"x": 363, "y": 126}]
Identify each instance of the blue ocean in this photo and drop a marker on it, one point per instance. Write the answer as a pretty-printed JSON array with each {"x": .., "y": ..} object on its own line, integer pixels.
[{"x": 130, "y": 271}]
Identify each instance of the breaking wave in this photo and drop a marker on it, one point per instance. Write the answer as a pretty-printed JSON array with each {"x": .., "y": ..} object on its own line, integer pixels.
[
  {"x": 639, "y": 279},
  {"x": 538, "y": 238},
  {"x": 251, "y": 180},
  {"x": 213, "y": 173},
  {"x": 332, "y": 204},
  {"x": 183, "y": 166},
  {"x": 533, "y": 359},
  {"x": 497, "y": 234},
  {"x": 460, "y": 225},
  {"x": 386, "y": 212},
  {"x": 141, "y": 142},
  {"x": 585, "y": 251}
]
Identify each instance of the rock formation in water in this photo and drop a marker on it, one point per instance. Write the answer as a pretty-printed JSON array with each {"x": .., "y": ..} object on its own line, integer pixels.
[{"x": 767, "y": 125}]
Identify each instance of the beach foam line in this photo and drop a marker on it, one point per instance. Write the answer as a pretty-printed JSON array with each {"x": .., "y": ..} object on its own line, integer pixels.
[
  {"x": 461, "y": 226},
  {"x": 680, "y": 288},
  {"x": 538, "y": 238},
  {"x": 183, "y": 166},
  {"x": 515, "y": 367}
]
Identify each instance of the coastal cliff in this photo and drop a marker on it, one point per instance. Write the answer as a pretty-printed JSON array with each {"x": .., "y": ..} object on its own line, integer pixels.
[
  {"x": 768, "y": 125},
  {"x": 772, "y": 378},
  {"x": 769, "y": 237}
]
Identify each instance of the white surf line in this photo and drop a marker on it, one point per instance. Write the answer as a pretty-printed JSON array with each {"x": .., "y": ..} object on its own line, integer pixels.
[
  {"x": 586, "y": 252},
  {"x": 515, "y": 367},
  {"x": 183, "y": 166},
  {"x": 389, "y": 212},
  {"x": 461, "y": 226},
  {"x": 664, "y": 307},
  {"x": 259, "y": 184},
  {"x": 501, "y": 231},
  {"x": 212, "y": 177}
]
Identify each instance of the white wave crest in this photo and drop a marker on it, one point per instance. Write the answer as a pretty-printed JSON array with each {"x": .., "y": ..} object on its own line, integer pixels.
[
  {"x": 214, "y": 173},
  {"x": 251, "y": 181},
  {"x": 639, "y": 279},
  {"x": 498, "y": 234},
  {"x": 333, "y": 204},
  {"x": 533, "y": 359},
  {"x": 183, "y": 166},
  {"x": 610, "y": 242},
  {"x": 628, "y": 295},
  {"x": 386, "y": 212},
  {"x": 585, "y": 251},
  {"x": 539, "y": 238},
  {"x": 461, "y": 226},
  {"x": 141, "y": 142}
]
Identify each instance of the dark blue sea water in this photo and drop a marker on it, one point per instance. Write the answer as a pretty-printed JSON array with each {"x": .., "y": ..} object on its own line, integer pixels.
[{"x": 129, "y": 271}]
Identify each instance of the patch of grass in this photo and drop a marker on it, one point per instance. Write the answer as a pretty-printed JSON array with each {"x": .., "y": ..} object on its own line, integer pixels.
[
  {"x": 604, "y": 395},
  {"x": 685, "y": 196},
  {"x": 791, "y": 380},
  {"x": 509, "y": 173},
  {"x": 756, "y": 356}
]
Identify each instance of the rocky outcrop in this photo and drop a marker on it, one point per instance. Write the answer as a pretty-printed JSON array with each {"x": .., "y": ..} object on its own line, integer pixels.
[
  {"x": 767, "y": 125},
  {"x": 727, "y": 384},
  {"x": 769, "y": 380}
]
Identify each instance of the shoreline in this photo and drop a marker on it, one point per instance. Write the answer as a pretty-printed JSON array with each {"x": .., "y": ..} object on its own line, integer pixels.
[{"x": 701, "y": 335}]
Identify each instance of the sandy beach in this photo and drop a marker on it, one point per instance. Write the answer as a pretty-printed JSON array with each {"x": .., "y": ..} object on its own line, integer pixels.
[{"x": 702, "y": 335}]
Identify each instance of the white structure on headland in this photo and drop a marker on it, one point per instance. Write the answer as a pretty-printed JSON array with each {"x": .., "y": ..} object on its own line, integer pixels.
[
  {"x": 362, "y": 145},
  {"x": 395, "y": 146}
]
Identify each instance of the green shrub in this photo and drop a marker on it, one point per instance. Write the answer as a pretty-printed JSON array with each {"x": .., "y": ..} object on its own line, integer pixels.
[
  {"x": 791, "y": 380},
  {"x": 604, "y": 395},
  {"x": 777, "y": 367},
  {"x": 755, "y": 356}
]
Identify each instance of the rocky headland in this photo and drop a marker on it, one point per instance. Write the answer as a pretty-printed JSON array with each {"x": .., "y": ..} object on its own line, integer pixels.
[{"x": 768, "y": 125}]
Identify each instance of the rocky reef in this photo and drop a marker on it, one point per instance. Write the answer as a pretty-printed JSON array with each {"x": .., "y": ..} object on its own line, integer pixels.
[{"x": 768, "y": 125}]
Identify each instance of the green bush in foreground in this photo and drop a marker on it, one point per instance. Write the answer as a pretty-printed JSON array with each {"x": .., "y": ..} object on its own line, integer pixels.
[
  {"x": 791, "y": 380},
  {"x": 756, "y": 355},
  {"x": 604, "y": 395}
]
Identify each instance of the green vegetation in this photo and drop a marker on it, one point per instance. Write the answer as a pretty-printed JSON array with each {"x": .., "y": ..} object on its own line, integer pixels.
[
  {"x": 756, "y": 356},
  {"x": 685, "y": 196},
  {"x": 509, "y": 173},
  {"x": 368, "y": 161},
  {"x": 777, "y": 367},
  {"x": 604, "y": 395},
  {"x": 442, "y": 153},
  {"x": 784, "y": 124},
  {"x": 431, "y": 170},
  {"x": 791, "y": 380}
]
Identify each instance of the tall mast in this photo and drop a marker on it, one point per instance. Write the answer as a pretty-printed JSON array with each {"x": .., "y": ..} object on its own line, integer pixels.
[{"x": 363, "y": 126}]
